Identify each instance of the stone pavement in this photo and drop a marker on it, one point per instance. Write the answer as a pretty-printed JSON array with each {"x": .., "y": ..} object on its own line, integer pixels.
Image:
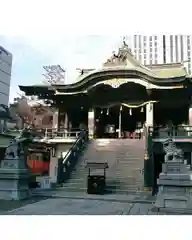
[
  {"x": 64, "y": 206},
  {"x": 59, "y": 202},
  {"x": 139, "y": 197}
]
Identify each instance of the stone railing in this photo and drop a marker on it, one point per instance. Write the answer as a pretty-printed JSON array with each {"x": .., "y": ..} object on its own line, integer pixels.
[
  {"x": 170, "y": 131},
  {"x": 61, "y": 133}
]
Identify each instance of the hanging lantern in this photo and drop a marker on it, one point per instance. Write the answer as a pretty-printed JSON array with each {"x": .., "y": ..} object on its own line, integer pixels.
[
  {"x": 101, "y": 111},
  {"x": 107, "y": 111},
  {"x": 121, "y": 108},
  {"x": 130, "y": 111},
  {"x": 142, "y": 110}
]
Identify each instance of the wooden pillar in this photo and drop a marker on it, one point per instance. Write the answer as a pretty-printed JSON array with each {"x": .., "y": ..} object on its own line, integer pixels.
[
  {"x": 148, "y": 158},
  {"x": 120, "y": 121},
  {"x": 55, "y": 119},
  {"x": 66, "y": 120},
  {"x": 149, "y": 114},
  {"x": 91, "y": 123},
  {"x": 190, "y": 115}
]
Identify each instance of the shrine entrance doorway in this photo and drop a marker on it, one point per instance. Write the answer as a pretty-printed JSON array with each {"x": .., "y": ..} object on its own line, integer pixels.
[
  {"x": 132, "y": 121},
  {"x": 107, "y": 122},
  {"x": 119, "y": 121}
]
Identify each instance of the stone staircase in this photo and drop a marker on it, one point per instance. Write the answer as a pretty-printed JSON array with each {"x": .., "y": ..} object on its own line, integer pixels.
[{"x": 125, "y": 160}]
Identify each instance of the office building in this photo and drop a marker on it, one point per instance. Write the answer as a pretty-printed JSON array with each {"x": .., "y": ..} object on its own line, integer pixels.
[
  {"x": 5, "y": 75},
  {"x": 159, "y": 49}
]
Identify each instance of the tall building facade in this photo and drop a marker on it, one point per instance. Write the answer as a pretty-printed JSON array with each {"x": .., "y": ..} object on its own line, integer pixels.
[
  {"x": 5, "y": 75},
  {"x": 159, "y": 49}
]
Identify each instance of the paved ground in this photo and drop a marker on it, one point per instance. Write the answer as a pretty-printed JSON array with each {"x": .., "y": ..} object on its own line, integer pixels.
[
  {"x": 73, "y": 203},
  {"x": 64, "y": 206},
  {"x": 10, "y": 205},
  {"x": 59, "y": 202},
  {"x": 144, "y": 197}
]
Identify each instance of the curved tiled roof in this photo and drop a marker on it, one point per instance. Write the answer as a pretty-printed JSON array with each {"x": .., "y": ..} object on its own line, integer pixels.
[{"x": 123, "y": 65}]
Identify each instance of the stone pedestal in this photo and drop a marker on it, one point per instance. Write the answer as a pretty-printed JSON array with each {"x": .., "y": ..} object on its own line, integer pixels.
[
  {"x": 175, "y": 183},
  {"x": 14, "y": 178}
]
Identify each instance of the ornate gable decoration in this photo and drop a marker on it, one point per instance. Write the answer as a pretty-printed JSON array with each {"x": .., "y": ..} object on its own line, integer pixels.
[
  {"x": 116, "y": 82},
  {"x": 120, "y": 58}
]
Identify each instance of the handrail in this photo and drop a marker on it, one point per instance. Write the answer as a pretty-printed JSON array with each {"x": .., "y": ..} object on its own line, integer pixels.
[
  {"x": 62, "y": 133},
  {"x": 74, "y": 145},
  {"x": 173, "y": 131},
  {"x": 53, "y": 132},
  {"x": 67, "y": 163}
]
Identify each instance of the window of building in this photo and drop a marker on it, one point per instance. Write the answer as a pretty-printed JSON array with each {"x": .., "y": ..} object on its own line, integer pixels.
[
  {"x": 155, "y": 43},
  {"x": 150, "y": 38},
  {"x": 150, "y": 44},
  {"x": 155, "y": 38}
]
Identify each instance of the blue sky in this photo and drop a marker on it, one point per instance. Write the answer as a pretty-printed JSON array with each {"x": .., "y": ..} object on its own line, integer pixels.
[
  {"x": 40, "y": 32},
  {"x": 31, "y": 54}
]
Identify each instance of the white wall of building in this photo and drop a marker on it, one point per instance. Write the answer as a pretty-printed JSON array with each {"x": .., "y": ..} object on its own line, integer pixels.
[
  {"x": 5, "y": 75},
  {"x": 149, "y": 49}
]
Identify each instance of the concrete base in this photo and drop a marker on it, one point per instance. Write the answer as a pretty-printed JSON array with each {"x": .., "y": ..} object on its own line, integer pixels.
[
  {"x": 175, "y": 192},
  {"x": 14, "y": 180}
]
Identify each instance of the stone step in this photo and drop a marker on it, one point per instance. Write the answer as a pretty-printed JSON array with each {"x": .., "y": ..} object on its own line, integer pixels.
[
  {"x": 125, "y": 159},
  {"x": 117, "y": 191},
  {"x": 120, "y": 184}
]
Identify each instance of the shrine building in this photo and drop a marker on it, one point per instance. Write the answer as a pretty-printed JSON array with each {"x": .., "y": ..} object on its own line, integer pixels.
[{"x": 121, "y": 97}]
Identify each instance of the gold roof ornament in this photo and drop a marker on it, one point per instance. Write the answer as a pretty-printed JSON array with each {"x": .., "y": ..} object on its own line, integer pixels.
[
  {"x": 115, "y": 82},
  {"x": 124, "y": 50},
  {"x": 120, "y": 58}
]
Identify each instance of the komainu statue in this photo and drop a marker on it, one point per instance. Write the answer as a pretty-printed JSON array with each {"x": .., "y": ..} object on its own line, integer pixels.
[
  {"x": 172, "y": 152},
  {"x": 14, "y": 172},
  {"x": 12, "y": 150},
  {"x": 175, "y": 181},
  {"x": 16, "y": 147}
]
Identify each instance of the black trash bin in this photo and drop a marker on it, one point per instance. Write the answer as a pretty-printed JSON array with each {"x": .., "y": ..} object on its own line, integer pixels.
[{"x": 96, "y": 183}]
